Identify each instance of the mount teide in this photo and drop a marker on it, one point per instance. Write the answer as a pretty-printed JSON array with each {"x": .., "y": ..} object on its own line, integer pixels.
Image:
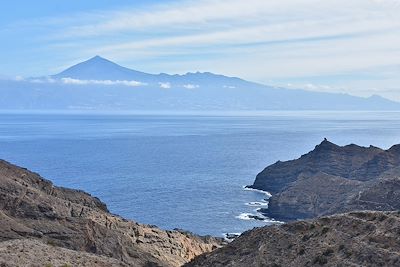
[
  {"x": 99, "y": 84},
  {"x": 98, "y": 68}
]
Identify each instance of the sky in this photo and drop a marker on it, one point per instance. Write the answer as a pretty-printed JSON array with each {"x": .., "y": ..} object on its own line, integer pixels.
[{"x": 349, "y": 46}]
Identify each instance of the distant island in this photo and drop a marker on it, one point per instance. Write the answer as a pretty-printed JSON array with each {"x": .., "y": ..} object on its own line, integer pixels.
[{"x": 101, "y": 85}]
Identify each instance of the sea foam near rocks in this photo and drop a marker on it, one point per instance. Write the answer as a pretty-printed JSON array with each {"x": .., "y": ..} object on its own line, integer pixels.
[
  {"x": 229, "y": 237},
  {"x": 268, "y": 194},
  {"x": 257, "y": 217},
  {"x": 257, "y": 204}
]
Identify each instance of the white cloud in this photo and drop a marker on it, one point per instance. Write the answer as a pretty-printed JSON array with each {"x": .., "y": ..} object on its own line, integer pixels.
[
  {"x": 165, "y": 85},
  {"x": 278, "y": 35},
  {"x": 315, "y": 87},
  {"x": 182, "y": 13},
  {"x": 208, "y": 15},
  {"x": 86, "y": 82},
  {"x": 42, "y": 80},
  {"x": 191, "y": 86},
  {"x": 36, "y": 81},
  {"x": 101, "y": 82}
]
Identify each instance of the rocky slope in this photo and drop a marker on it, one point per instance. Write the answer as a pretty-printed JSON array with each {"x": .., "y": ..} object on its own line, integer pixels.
[
  {"x": 32, "y": 209},
  {"x": 332, "y": 179},
  {"x": 353, "y": 239},
  {"x": 31, "y": 252}
]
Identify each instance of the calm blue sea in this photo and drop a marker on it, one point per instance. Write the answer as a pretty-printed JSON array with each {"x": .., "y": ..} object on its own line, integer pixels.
[{"x": 179, "y": 171}]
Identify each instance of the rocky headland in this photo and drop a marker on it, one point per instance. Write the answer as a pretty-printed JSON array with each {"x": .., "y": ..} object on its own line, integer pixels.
[
  {"x": 45, "y": 225},
  {"x": 332, "y": 179}
]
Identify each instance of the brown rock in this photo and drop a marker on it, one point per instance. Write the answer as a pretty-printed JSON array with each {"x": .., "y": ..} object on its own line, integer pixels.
[{"x": 33, "y": 208}]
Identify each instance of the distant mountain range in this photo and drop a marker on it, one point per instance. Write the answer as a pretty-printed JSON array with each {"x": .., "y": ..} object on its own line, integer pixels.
[{"x": 99, "y": 84}]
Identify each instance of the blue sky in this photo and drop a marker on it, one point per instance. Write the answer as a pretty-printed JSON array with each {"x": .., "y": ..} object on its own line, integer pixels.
[{"x": 350, "y": 46}]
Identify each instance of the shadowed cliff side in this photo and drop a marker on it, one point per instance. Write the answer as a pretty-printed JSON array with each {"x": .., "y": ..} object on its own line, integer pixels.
[
  {"x": 332, "y": 179},
  {"x": 33, "y": 209}
]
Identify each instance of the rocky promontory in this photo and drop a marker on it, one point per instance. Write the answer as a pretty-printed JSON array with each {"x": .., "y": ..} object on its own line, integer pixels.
[
  {"x": 45, "y": 225},
  {"x": 332, "y": 179}
]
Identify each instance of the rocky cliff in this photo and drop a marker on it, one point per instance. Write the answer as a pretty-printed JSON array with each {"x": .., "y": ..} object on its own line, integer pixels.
[
  {"x": 353, "y": 239},
  {"x": 332, "y": 179},
  {"x": 37, "y": 219}
]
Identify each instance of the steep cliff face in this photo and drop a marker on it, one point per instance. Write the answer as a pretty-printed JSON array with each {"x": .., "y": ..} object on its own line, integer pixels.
[
  {"x": 32, "y": 208},
  {"x": 332, "y": 179},
  {"x": 353, "y": 239},
  {"x": 325, "y": 158}
]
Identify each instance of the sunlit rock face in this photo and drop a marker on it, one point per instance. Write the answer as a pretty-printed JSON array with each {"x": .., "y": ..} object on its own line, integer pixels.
[{"x": 33, "y": 209}]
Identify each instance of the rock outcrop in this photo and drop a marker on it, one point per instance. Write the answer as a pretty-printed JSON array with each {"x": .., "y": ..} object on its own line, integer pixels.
[
  {"x": 332, "y": 179},
  {"x": 353, "y": 239},
  {"x": 34, "y": 211}
]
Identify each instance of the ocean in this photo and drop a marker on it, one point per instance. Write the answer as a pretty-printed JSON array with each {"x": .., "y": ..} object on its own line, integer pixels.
[{"x": 181, "y": 170}]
